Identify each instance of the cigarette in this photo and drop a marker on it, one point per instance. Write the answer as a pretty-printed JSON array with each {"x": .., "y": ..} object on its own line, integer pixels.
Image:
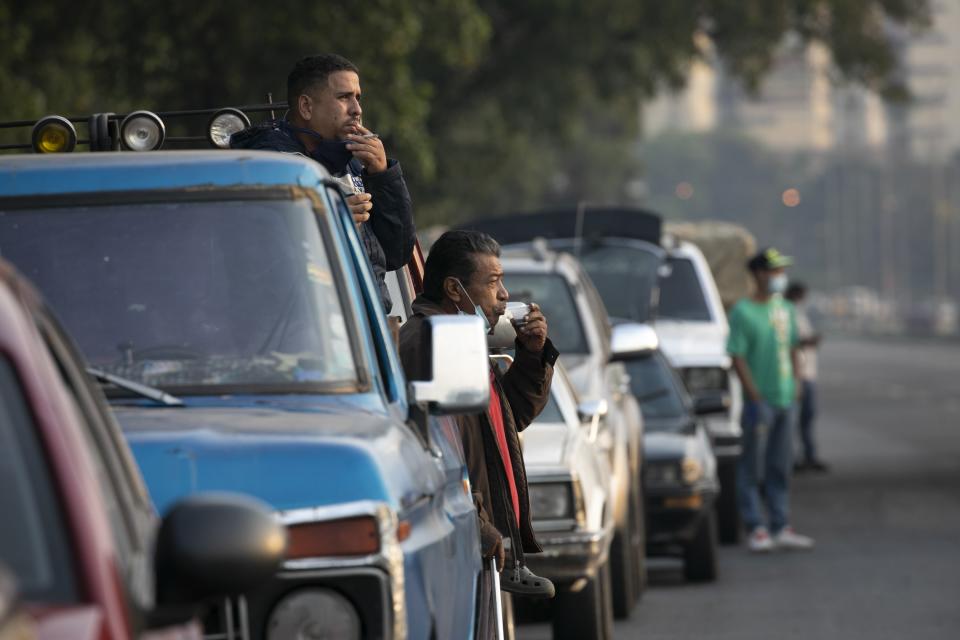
[{"x": 369, "y": 135}]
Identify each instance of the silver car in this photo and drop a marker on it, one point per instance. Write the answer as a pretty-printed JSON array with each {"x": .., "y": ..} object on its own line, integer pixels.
[
  {"x": 569, "y": 482},
  {"x": 591, "y": 351},
  {"x": 692, "y": 326}
]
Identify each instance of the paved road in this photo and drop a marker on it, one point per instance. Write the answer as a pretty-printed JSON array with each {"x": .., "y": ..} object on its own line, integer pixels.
[{"x": 886, "y": 519}]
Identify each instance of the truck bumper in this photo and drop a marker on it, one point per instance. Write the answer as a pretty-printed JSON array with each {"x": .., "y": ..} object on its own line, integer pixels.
[{"x": 570, "y": 556}]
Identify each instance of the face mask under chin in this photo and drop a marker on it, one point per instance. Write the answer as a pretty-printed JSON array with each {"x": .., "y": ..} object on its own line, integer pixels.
[{"x": 487, "y": 329}]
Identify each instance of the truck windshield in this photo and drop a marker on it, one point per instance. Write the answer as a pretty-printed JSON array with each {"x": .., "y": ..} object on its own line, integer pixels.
[
  {"x": 190, "y": 295},
  {"x": 656, "y": 388},
  {"x": 681, "y": 293},
  {"x": 625, "y": 277},
  {"x": 552, "y": 293}
]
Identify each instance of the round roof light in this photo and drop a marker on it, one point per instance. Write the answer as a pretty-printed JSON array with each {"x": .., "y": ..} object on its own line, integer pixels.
[
  {"x": 142, "y": 131},
  {"x": 224, "y": 124},
  {"x": 54, "y": 134}
]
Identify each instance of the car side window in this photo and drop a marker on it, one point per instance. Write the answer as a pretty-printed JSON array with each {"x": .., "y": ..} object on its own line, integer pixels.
[
  {"x": 388, "y": 361},
  {"x": 33, "y": 542}
]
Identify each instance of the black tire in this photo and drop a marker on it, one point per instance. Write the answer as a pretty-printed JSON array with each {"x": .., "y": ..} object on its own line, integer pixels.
[
  {"x": 622, "y": 563},
  {"x": 728, "y": 514},
  {"x": 640, "y": 581},
  {"x": 700, "y": 554},
  {"x": 628, "y": 560},
  {"x": 586, "y": 614}
]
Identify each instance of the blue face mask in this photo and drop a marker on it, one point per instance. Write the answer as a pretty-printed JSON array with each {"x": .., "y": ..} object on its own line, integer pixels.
[
  {"x": 487, "y": 329},
  {"x": 778, "y": 283}
]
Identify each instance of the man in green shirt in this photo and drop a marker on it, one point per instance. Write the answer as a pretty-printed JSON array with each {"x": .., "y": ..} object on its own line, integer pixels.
[{"x": 764, "y": 346}]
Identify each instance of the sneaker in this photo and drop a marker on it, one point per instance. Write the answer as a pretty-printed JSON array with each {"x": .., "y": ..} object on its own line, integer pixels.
[
  {"x": 759, "y": 541},
  {"x": 789, "y": 539},
  {"x": 819, "y": 466}
]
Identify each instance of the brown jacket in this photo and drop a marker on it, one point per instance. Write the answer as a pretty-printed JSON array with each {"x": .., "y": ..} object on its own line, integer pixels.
[{"x": 524, "y": 390}]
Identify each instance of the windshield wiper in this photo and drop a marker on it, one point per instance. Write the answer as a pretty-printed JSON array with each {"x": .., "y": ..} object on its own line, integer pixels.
[{"x": 152, "y": 393}]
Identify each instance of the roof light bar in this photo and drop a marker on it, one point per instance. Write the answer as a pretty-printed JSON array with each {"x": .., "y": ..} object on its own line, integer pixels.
[
  {"x": 224, "y": 124},
  {"x": 54, "y": 134},
  {"x": 142, "y": 131}
]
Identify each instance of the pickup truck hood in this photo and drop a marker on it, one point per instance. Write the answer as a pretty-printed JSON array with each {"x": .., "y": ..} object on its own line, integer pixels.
[
  {"x": 288, "y": 458},
  {"x": 662, "y": 445},
  {"x": 545, "y": 444},
  {"x": 689, "y": 344}
]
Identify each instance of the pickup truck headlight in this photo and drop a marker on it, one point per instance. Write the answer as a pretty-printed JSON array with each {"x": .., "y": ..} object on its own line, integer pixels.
[
  {"x": 675, "y": 472},
  {"x": 551, "y": 501},
  {"x": 691, "y": 470},
  {"x": 660, "y": 474},
  {"x": 314, "y": 613},
  {"x": 362, "y": 533},
  {"x": 562, "y": 500},
  {"x": 700, "y": 379}
]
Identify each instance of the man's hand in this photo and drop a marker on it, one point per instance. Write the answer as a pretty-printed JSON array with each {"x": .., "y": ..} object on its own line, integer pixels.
[
  {"x": 368, "y": 151},
  {"x": 533, "y": 334},
  {"x": 360, "y": 205},
  {"x": 492, "y": 544}
]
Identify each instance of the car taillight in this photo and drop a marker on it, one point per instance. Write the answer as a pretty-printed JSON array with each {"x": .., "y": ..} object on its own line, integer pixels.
[{"x": 347, "y": 537}]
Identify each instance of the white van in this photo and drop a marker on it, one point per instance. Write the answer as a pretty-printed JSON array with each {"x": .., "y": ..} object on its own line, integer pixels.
[{"x": 692, "y": 326}]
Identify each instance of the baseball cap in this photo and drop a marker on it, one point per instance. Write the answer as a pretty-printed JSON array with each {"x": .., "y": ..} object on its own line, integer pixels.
[{"x": 768, "y": 260}]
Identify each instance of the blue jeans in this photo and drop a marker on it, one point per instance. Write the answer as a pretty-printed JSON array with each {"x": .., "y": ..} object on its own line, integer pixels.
[
  {"x": 808, "y": 411},
  {"x": 767, "y": 459}
]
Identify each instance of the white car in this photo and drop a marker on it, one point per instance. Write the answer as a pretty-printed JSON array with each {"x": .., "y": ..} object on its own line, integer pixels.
[
  {"x": 693, "y": 330},
  {"x": 568, "y": 477},
  {"x": 592, "y": 352}
]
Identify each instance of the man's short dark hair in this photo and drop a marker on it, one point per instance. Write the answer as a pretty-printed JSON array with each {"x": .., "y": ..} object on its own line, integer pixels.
[
  {"x": 453, "y": 255},
  {"x": 314, "y": 70},
  {"x": 796, "y": 291}
]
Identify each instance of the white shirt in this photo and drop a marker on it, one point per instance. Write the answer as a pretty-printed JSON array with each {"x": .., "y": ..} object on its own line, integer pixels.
[{"x": 808, "y": 355}]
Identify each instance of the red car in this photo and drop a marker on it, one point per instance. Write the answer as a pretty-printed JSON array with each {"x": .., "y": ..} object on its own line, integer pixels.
[{"x": 86, "y": 553}]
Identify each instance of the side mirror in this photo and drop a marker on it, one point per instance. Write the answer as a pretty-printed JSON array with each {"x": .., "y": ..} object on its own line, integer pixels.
[
  {"x": 210, "y": 546},
  {"x": 592, "y": 409},
  {"x": 631, "y": 340},
  {"x": 591, "y": 413},
  {"x": 459, "y": 367},
  {"x": 711, "y": 404}
]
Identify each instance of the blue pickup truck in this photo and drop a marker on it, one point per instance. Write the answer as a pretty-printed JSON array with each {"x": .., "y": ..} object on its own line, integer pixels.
[{"x": 225, "y": 302}]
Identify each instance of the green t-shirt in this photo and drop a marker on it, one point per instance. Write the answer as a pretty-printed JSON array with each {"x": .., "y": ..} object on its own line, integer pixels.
[{"x": 763, "y": 334}]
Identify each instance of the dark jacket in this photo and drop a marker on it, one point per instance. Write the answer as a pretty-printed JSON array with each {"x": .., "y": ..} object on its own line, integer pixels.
[
  {"x": 524, "y": 390},
  {"x": 389, "y": 235}
]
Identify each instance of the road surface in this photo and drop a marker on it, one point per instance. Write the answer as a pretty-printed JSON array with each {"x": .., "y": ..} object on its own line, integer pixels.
[{"x": 886, "y": 519}]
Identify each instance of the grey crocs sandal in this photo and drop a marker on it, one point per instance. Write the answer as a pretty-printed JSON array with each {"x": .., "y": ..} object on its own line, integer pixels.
[{"x": 524, "y": 582}]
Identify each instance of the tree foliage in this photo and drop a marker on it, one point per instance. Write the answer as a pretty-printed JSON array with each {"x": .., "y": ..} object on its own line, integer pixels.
[{"x": 492, "y": 105}]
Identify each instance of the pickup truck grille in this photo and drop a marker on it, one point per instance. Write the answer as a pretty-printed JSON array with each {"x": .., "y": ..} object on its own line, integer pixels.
[
  {"x": 228, "y": 621},
  {"x": 245, "y": 618}
]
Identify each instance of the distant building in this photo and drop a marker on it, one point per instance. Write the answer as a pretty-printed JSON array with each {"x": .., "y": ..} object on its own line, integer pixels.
[
  {"x": 800, "y": 107},
  {"x": 931, "y": 65}
]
